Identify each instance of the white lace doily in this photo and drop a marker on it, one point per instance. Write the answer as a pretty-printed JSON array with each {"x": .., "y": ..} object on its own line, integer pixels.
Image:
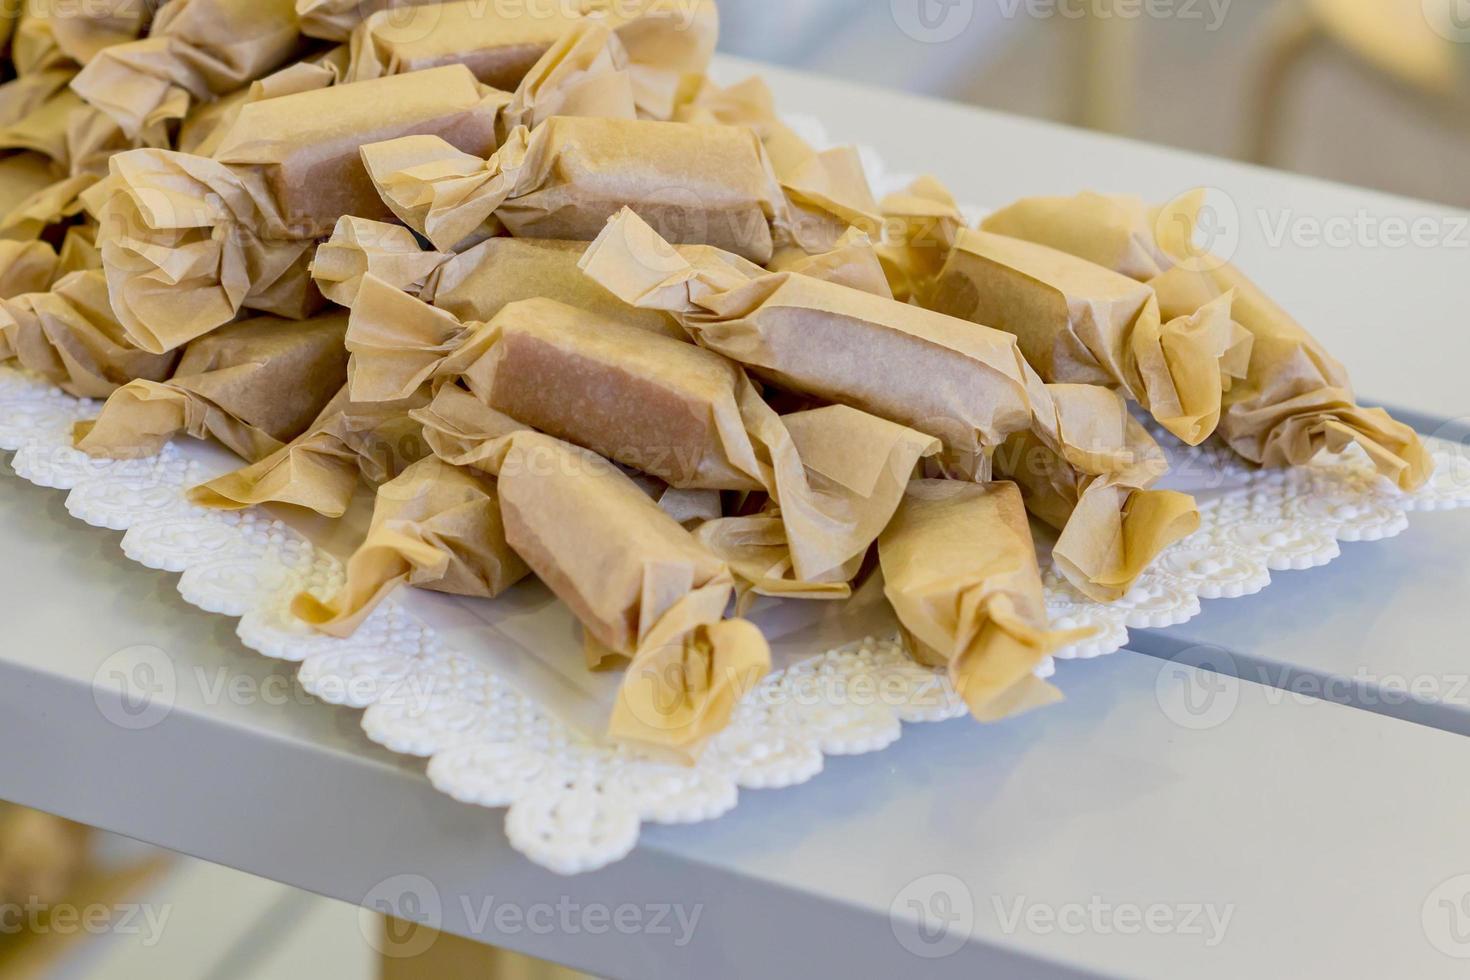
[{"x": 574, "y": 802}]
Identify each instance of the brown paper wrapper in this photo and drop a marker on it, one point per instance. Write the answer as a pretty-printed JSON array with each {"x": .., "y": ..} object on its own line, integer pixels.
[
  {"x": 1081, "y": 323},
  {"x": 1085, "y": 469},
  {"x": 252, "y": 386},
  {"x": 70, "y": 336},
  {"x": 434, "y": 527},
  {"x": 1077, "y": 322},
  {"x": 960, "y": 571},
  {"x": 359, "y": 247},
  {"x": 1295, "y": 399},
  {"x": 21, "y": 176},
  {"x": 660, "y": 44},
  {"x": 665, "y": 407},
  {"x": 207, "y": 122},
  {"x": 320, "y": 469},
  {"x": 853, "y": 262},
  {"x": 703, "y": 184},
  {"x": 25, "y": 267},
  {"x": 479, "y": 283},
  {"x": 961, "y": 383},
  {"x": 641, "y": 586},
  {"x": 193, "y": 240},
  {"x": 197, "y": 50},
  {"x": 52, "y": 34}
]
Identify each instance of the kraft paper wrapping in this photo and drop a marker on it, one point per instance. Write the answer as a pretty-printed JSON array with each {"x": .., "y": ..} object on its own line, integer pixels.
[
  {"x": 661, "y": 45},
  {"x": 69, "y": 336},
  {"x": 1295, "y": 399},
  {"x": 854, "y": 262},
  {"x": 22, "y": 175},
  {"x": 827, "y": 192},
  {"x": 662, "y": 406},
  {"x": 434, "y": 526},
  {"x": 25, "y": 267},
  {"x": 61, "y": 34},
  {"x": 1085, "y": 468},
  {"x": 699, "y": 184},
  {"x": 193, "y": 240},
  {"x": 960, "y": 571},
  {"x": 196, "y": 50},
  {"x": 961, "y": 383},
  {"x": 335, "y": 20},
  {"x": 1078, "y": 322},
  {"x": 640, "y": 584},
  {"x": 1082, "y": 323},
  {"x": 253, "y": 386},
  {"x": 320, "y": 469},
  {"x": 207, "y": 122},
  {"x": 358, "y": 247},
  {"x": 479, "y": 283}
]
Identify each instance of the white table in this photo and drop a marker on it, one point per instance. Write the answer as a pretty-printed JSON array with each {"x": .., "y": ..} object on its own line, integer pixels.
[{"x": 1332, "y": 837}]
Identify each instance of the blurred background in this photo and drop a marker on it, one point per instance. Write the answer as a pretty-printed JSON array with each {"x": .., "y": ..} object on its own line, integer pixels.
[{"x": 1368, "y": 92}]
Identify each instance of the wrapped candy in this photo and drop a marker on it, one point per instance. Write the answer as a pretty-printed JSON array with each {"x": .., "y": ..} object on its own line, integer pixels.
[
  {"x": 25, "y": 267},
  {"x": 665, "y": 42},
  {"x": 192, "y": 240},
  {"x": 662, "y": 406},
  {"x": 1077, "y": 322},
  {"x": 52, "y": 34},
  {"x": 641, "y": 586},
  {"x": 69, "y": 336},
  {"x": 1294, "y": 400},
  {"x": 961, "y": 383},
  {"x": 359, "y": 247},
  {"x": 1085, "y": 468},
  {"x": 320, "y": 470},
  {"x": 700, "y": 184},
  {"x": 434, "y": 526},
  {"x": 252, "y": 386},
  {"x": 196, "y": 50},
  {"x": 960, "y": 571}
]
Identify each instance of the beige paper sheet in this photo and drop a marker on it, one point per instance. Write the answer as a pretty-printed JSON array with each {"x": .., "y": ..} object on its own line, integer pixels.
[
  {"x": 960, "y": 571},
  {"x": 434, "y": 526},
  {"x": 253, "y": 386}
]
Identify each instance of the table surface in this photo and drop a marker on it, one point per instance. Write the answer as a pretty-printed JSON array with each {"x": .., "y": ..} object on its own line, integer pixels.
[{"x": 1164, "y": 821}]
